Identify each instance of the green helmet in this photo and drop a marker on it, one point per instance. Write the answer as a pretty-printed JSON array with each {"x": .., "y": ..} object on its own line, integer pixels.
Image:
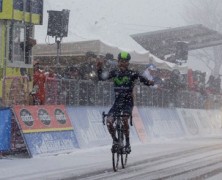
[{"x": 124, "y": 56}]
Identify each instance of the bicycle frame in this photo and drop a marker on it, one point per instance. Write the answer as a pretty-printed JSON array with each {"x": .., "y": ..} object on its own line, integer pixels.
[
  {"x": 104, "y": 115},
  {"x": 118, "y": 150}
]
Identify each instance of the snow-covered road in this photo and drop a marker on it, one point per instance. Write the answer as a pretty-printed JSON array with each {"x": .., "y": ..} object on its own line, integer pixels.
[{"x": 199, "y": 158}]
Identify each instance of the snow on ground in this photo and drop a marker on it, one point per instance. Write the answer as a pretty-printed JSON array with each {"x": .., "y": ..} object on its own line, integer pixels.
[{"x": 94, "y": 160}]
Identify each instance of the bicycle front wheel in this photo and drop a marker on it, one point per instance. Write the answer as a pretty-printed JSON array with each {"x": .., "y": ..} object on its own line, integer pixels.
[
  {"x": 116, "y": 158},
  {"x": 124, "y": 157}
]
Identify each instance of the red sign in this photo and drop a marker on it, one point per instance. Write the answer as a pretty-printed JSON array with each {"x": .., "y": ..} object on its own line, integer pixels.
[{"x": 42, "y": 118}]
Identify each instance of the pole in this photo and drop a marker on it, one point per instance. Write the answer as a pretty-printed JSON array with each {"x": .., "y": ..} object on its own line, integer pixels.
[{"x": 58, "y": 42}]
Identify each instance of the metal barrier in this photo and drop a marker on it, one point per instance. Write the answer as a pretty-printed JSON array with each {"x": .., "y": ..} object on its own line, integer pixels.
[
  {"x": 91, "y": 93},
  {"x": 78, "y": 93},
  {"x": 87, "y": 92}
]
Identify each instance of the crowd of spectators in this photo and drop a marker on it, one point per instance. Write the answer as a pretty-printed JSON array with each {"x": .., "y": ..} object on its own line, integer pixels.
[
  {"x": 213, "y": 85},
  {"x": 192, "y": 81},
  {"x": 172, "y": 81}
]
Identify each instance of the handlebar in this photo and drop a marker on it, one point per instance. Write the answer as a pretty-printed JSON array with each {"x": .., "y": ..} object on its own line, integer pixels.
[
  {"x": 104, "y": 115},
  {"x": 131, "y": 118}
]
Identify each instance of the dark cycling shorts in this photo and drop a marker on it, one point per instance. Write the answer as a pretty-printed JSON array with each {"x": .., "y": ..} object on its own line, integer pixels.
[{"x": 123, "y": 107}]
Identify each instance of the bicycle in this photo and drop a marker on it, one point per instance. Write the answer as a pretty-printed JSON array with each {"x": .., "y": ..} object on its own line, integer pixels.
[{"x": 118, "y": 150}]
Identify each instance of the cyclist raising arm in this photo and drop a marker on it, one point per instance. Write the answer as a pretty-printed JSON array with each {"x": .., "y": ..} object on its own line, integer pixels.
[{"x": 123, "y": 79}]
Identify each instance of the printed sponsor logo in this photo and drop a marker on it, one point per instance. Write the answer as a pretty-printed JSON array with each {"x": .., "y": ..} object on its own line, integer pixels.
[
  {"x": 26, "y": 117},
  {"x": 60, "y": 116},
  {"x": 44, "y": 117},
  {"x": 121, "y": 80}
]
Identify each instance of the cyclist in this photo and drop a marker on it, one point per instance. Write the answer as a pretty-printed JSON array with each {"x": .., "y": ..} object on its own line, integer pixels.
[{"x": 123, "y": 79}]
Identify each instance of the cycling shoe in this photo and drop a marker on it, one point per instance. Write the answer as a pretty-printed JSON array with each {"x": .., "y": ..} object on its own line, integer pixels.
[
  {"x": 114, "y": 148},
  {"x": 127, "y": 149}
]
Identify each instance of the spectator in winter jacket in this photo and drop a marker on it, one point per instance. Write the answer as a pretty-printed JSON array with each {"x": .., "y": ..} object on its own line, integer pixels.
[{"x": 39, "y": 80}]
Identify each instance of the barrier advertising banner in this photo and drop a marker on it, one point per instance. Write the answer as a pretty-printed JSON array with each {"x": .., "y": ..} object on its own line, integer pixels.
[
  {"x": 188, "y": 121},
  {"x": 89, "y": 129},
  {"x": 175, "y": 122},
  {"x": 46, "y": 129},
  {"x": 161, "y": 122},
  {"x": 5, "y": 129},
  {"x": 202, "y": 120},
  {"x": 215, "y": 119}
]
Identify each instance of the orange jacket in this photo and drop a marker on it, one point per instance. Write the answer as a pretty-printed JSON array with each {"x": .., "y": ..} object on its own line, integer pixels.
[{"x": 39, "y": 80}]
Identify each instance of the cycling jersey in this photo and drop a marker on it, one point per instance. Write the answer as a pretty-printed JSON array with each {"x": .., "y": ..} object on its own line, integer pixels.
[{"x": 124, "y": 82}]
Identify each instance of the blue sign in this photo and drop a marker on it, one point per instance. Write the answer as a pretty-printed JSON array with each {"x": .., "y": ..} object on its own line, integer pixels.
[
  {"x": 5, "y": 129},
  {"x": 37, "y": 7},
  {"x": 18, "y": 4},
  {"x": 33, "y": 6},
  {"x": 50, "y": 142},
  {"x": 1, "y": 1}
]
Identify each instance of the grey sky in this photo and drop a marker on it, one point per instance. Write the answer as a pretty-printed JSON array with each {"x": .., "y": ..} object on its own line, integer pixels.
[
  {"x": 93, "y": 19},
  {"x": 113, "y": 20}
]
